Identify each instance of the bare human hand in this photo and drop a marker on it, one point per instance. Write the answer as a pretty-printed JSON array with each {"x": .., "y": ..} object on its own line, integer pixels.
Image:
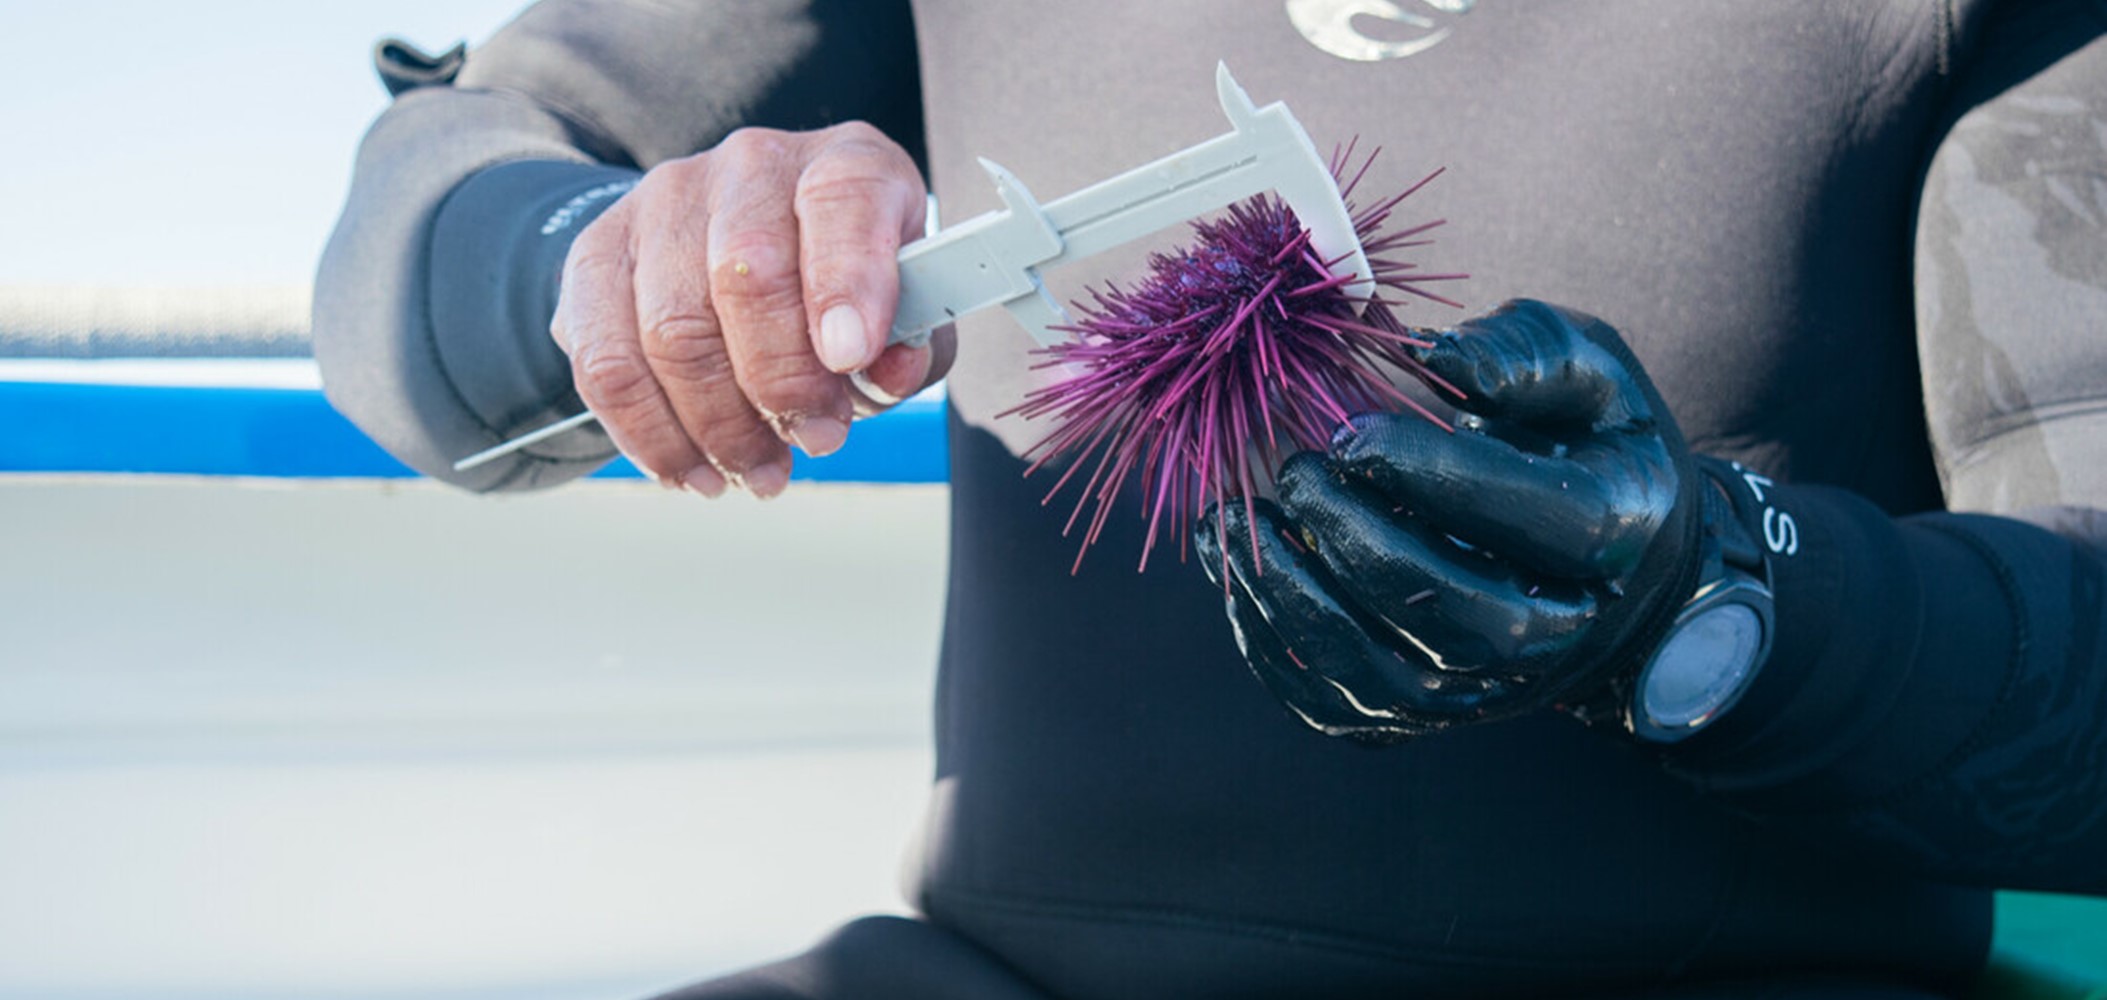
[{"x": 717, "y": 313}]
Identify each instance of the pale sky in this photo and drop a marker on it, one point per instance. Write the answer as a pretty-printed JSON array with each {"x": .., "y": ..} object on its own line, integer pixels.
[{"x": 209, "y": 142}]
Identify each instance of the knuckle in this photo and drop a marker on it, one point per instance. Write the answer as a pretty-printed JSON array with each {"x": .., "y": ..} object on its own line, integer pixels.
[
  {"x": 679, "y": 174},
  {"x": 756, "y": 269},
  {"x": 1303, "y": 471},
  {"x": 612, "y": 377},
  {"x": 598, "y": 256},
  {"x": 786, "y": 381},
  {"x": 695, "y": 364},
  {"x": 845, "y": 186},
  {"x": 560, "y": 328},
  {"x": 754, "y": 143},
  {"x": 857, "y": 130},
  {"x": 844, "y": 267},
  {"x": 867, "y": 180},
  {"x": 688, "y": 342},
  {"x": 862, "y": 141},
  {"x": 864, "y": 153},
  {"x": 669, "y": 180},
  {"x": 711, "y": 379}
]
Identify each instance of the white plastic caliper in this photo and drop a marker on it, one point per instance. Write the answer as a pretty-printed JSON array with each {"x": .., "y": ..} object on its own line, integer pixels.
[{"x": 995, "y": 259}]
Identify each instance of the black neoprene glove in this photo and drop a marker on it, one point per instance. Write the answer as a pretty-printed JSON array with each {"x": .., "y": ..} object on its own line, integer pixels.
[{"x": 1412, "y": 580}]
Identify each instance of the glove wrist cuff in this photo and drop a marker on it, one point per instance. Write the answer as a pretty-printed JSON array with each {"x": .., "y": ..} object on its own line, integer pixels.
[{"x": 1714, "y": 634}]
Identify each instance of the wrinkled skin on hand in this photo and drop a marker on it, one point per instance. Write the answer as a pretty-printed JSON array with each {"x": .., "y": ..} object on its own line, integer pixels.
[
  {"x": 1411, "y": 580},
  {"x": 739, "y": 302}
]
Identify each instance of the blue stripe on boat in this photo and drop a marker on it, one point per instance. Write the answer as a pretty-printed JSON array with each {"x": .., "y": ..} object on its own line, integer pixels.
[{"x": 49, "y": 427}]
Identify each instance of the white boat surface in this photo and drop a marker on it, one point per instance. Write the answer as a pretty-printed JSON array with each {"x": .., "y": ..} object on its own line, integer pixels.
[{"x": 270, "y": 736}]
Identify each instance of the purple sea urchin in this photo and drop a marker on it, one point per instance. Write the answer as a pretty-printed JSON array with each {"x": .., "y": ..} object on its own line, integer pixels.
[{"x": 1239, "y": 343}]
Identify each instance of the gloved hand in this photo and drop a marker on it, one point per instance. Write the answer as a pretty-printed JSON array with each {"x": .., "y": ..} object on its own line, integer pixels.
[{"x": 1412, "y": 580}]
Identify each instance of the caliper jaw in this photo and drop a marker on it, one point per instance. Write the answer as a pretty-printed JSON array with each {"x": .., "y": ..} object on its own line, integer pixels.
[{"x": 988, "y": 260}]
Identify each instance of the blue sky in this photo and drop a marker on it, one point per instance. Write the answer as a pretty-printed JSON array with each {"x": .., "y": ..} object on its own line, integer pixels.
[{"x": 207, "y": 142}]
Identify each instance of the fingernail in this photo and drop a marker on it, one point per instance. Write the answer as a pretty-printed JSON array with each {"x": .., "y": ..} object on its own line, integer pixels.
[
  {"x": 768, "y": 480},
  {"x": 704, "y": 480},
  {"x": 862, "y": 382},
  {"x": 841, "y": 340},
  {"x": 819, "y": 435}
]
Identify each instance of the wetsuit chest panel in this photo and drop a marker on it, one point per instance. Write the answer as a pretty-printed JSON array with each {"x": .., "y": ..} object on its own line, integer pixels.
[{"x": 1730, "y": 184}]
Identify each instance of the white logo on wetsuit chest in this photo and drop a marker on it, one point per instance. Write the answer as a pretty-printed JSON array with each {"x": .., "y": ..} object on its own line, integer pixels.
[{"x": 1328, "y": 24}]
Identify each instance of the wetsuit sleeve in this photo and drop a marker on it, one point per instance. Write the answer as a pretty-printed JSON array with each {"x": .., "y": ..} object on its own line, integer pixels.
[
  {"x": 433, "y": 298},
  {"x": 1939, "y": 694}
]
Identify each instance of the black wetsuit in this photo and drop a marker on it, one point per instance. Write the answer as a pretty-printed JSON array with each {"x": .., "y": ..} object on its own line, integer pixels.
[{"x": 1859, "y": 244}]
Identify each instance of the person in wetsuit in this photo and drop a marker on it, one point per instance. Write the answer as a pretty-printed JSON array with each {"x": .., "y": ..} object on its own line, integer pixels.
[{"x": 1857, "y": 248}]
